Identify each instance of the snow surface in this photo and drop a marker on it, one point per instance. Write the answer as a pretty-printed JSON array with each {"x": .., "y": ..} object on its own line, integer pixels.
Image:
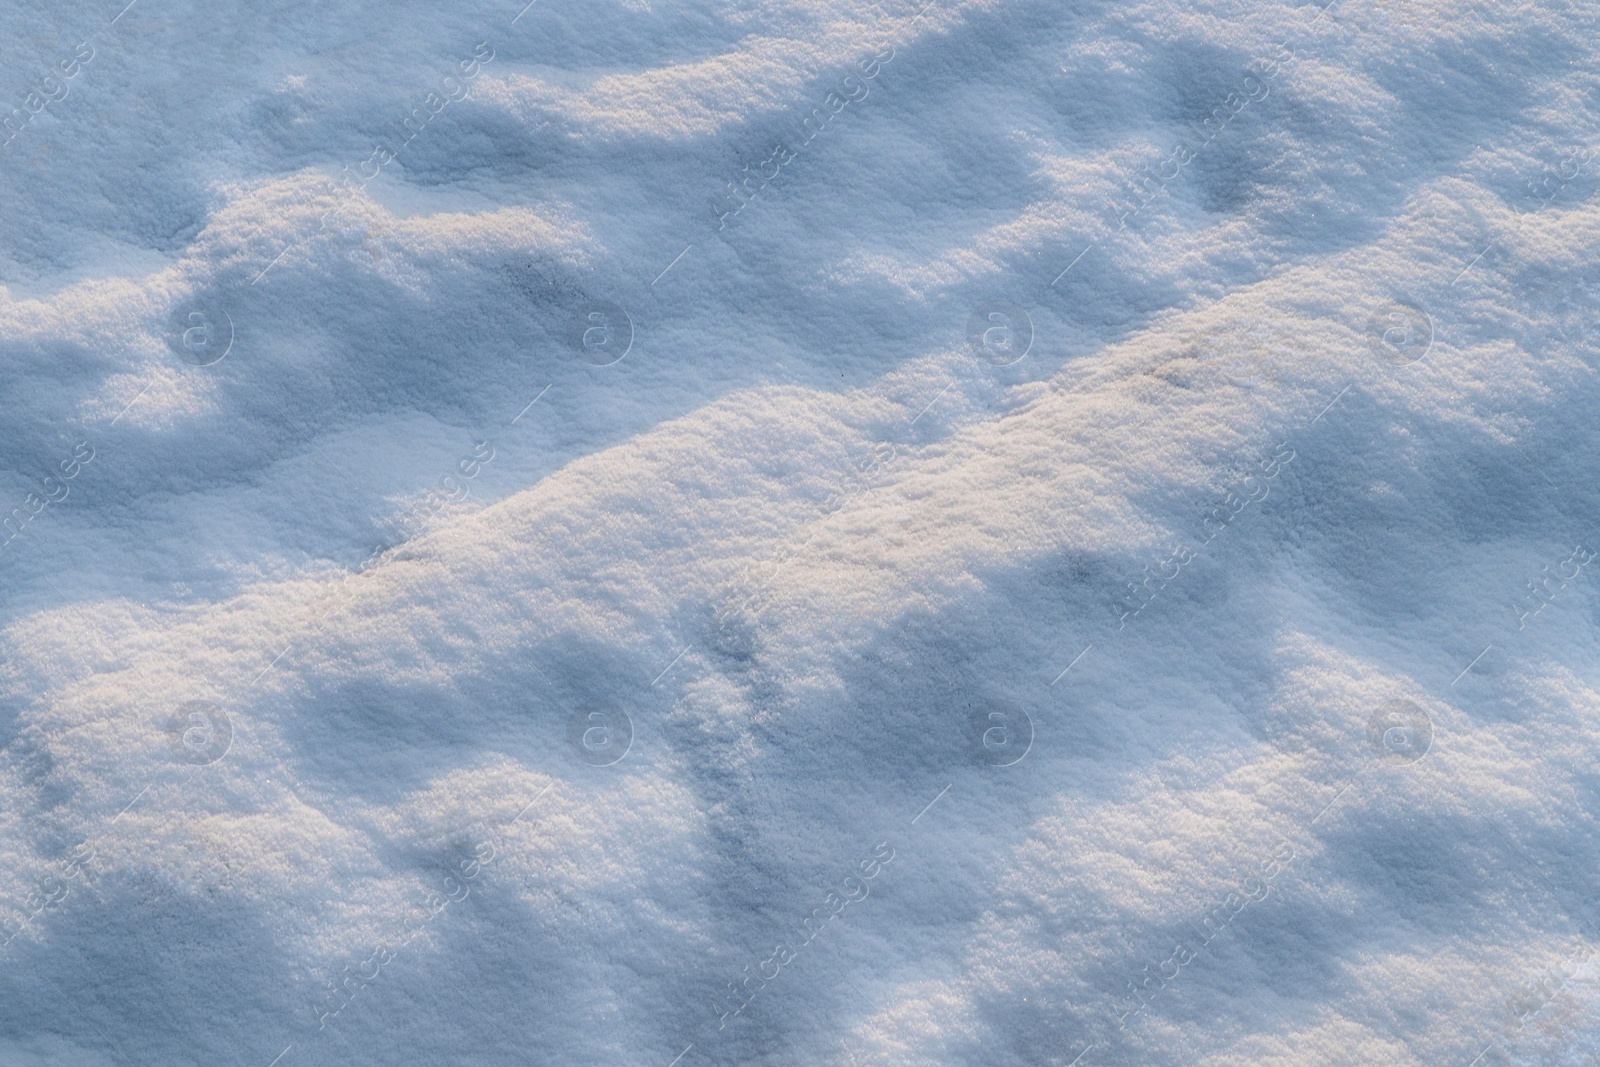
[{"x": 1194, "y": 664}]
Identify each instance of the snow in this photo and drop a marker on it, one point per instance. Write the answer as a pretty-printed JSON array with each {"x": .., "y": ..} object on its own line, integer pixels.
[{"x": 395, "y": 673}]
